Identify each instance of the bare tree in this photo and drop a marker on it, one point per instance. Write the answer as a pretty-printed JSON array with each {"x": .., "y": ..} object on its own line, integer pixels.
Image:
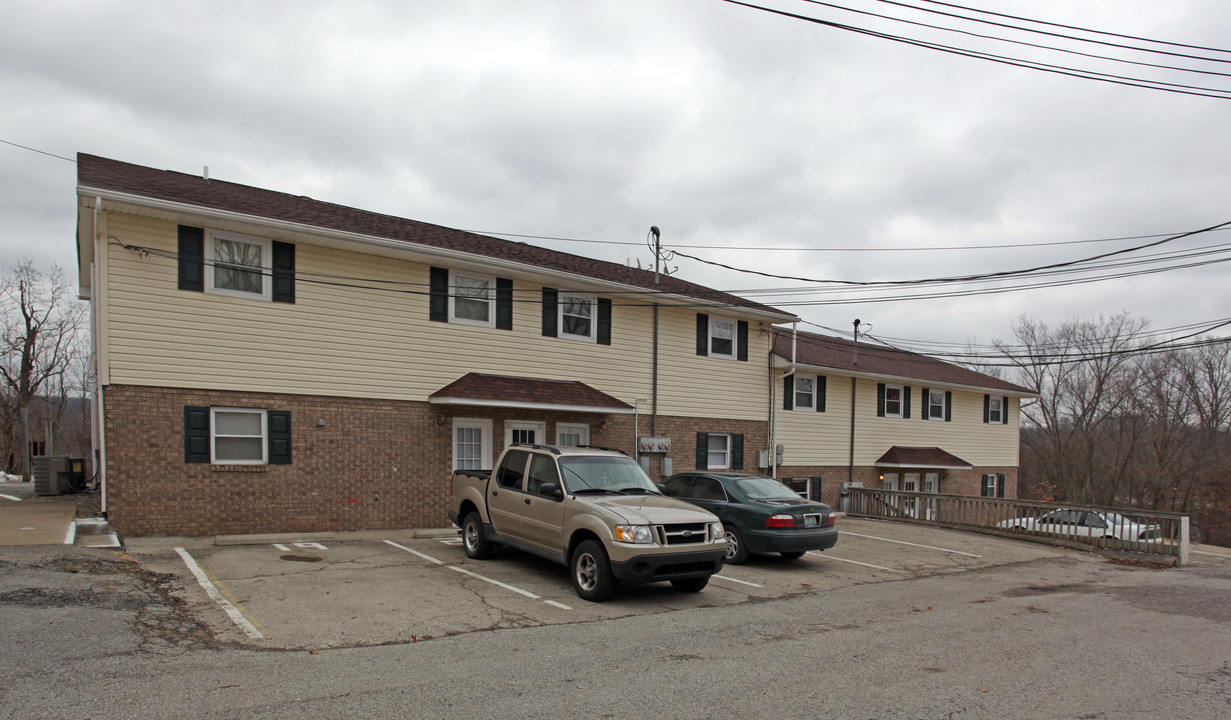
[{"x": 41, "y": 325}]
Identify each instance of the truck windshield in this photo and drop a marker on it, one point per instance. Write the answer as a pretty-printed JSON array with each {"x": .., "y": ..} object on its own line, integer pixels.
[{"x": 609, "y": 474}]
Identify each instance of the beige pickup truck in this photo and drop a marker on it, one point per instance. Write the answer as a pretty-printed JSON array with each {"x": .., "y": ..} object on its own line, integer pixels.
[{"x": 592, "y": 510}]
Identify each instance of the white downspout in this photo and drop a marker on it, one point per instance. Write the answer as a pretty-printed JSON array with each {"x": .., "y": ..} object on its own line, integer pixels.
[{"x": 100, "y": 449}]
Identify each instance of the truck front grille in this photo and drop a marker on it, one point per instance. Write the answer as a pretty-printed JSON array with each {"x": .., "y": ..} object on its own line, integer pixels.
[{"x": 683, "y": 534}]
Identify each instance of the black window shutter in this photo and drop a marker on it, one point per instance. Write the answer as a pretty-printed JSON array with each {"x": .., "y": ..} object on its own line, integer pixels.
[
  {"x": 820, "y": 393},
  {"x": 987, "y": 408},
  {"x": 741, "y": 333},
  {"x": 987, "y": 490},
  {"x": 737, "y": 452},
  {"x": 948, "y": 406},
  {"x": 192, "y": 261},
  {"x": 788, "y": 392},
  {"x": 504, "y": 304},
  {"x": 703, "y": 450},
  {"x": 279, "y": 436},
  {"x": 284, "y": 272},
  {"x": 438, "y": 304},
  {"x": 196, "y": 434},
  {"x": 926, "y": 405},
  {"x": 1004, "y": 411},
  {"x": 906, "y": 402},
  {"x": 604, "y": 321},
  {"x": 1000, "y": 486},
  {"x": 551, "y": 299},
  {"x": 703, "y": 334},
  {"x": 880, "y": 399}
]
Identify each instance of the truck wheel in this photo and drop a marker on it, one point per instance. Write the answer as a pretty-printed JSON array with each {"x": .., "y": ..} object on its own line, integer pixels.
[
  {"x": 474, "y": 542},
  {"x": 691, "y": 585},
  {"x": 737, "y": 551},
  {"x": 592, "y": 578}
]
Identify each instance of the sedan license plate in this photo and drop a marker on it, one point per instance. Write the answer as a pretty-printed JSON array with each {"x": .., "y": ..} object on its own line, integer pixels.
[{"x": 812, "y": 521}]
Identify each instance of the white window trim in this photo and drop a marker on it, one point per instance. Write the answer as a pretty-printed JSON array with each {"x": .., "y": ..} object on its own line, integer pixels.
[
  {"x": 928, "y": 406},
  {"x": 726, "y": 464},
  {"x": 485, "y": 439},
  {"x": 901, "y": 401},
  {"x": 795, "y": 400},
  {"x": 266, "y": 268},
  {"x": 995, "y": 415},
  {"x": 577, "y": 428},
  {"x": 213, "y": 436},
  {"x": 593, "y": 301},
  {"x": 734, "y": 338},
  {"x": 539, "y": 428},
  {"x": 995, "y": 484},
  {"x": 491, "y": 298}
]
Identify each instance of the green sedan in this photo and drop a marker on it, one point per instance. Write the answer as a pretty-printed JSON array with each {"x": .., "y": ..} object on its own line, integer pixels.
[{"x": 758, "y": 514}]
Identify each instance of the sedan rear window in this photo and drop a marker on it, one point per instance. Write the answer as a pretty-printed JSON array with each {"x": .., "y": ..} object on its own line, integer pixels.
[{"x": 763, "y": 488}]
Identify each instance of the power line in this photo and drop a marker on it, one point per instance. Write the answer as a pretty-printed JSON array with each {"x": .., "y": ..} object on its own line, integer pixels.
[
  {"x": 40, "y": 152},
  {"x": 1177, "y": 88},
  {"x": 963, "y": 278}
]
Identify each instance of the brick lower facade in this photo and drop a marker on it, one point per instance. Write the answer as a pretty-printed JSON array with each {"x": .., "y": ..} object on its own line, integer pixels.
[{"x": 356, "y": 464}]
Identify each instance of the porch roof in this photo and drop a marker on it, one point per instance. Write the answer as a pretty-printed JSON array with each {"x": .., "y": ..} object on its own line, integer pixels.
[
  {"x": 921, "y": 457},
  {"x": 484, "y": 390}
]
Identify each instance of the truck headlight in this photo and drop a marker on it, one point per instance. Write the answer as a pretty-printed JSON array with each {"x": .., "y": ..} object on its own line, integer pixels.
[
  {"x": 718, "y": 531},
  {"x": 639, "y": 534}
]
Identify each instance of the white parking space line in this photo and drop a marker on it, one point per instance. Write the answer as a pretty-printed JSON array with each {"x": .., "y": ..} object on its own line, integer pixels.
[
  {"x": 429, "y": 558},
  {"x": 283, "y": 548},
  {"x": 731, "y": 579},
  {"x": 853, "y": 562},
  {"x": 10, "y": 497},
  {"x": 517, "y": 590},
  {"x": 903, "y": 542},
  {"x": 1210, "y": 554},
  {"x": 237, "y": 616},
  {"x": 477, "y": 576}
]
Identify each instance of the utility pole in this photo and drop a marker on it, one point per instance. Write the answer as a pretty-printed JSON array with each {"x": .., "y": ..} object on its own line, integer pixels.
[{"x": 855, "y": 361}]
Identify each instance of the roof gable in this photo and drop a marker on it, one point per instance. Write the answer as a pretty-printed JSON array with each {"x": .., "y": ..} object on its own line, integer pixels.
[{"x": 99, "y": 173}]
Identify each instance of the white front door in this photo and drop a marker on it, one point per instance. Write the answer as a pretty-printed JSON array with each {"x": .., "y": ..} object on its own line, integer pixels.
[
  {"x": 524, "y": 432},
  {"x": 910, "y": 505},
  {"x": 930, "y": 483},
  {"x": 572, "y": 434}
]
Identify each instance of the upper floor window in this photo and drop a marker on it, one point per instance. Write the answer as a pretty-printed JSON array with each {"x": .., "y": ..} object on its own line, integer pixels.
[
  {"x": 893, "y": 401},
  {"x": 936, "y": 405},
  {"x": 722, "y": 337},
  {"x": 472, "y": 299},
  {"x": 238, "y": 265},
  {"x": 577, "y": 316},
  {"x": 805, "y": 392},
  {"x": 994, "y": 410}
]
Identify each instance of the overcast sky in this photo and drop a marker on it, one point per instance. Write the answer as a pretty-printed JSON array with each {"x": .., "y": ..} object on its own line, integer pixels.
[{"x": 763, "y": 142}]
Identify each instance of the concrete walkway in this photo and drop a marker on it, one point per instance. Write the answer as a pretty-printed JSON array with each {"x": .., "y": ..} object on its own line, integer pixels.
[{"x": 28, "y": 522}]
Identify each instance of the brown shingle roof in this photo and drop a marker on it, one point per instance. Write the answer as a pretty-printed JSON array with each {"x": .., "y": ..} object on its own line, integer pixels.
[
  {"x": 921, "y": 457},
  {"x": 504, "y": 390},
  {"x": 102, "y": 173},
  {"x": 825, "y": 351}
]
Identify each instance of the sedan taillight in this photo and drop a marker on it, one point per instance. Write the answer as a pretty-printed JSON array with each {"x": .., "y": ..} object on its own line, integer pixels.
[{"x": 780, "y": 521}]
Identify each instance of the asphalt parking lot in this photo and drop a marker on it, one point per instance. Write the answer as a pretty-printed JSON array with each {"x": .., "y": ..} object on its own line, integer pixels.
[{"x": 366, "y": 589}]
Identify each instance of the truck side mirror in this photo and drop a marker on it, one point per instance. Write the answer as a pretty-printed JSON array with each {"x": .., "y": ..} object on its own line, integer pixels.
[{"x": 551, "y": 490}]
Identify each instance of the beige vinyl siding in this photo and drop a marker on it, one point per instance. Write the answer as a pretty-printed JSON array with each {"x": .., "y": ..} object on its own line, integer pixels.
[
  {"x": 378, "y": 342},
  {"x": 692, "y": 385},
  {"x": 812, "y": 438}
]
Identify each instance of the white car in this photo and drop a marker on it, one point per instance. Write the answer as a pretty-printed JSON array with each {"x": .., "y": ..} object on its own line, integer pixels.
[{"x": 1085, "y": 523}]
